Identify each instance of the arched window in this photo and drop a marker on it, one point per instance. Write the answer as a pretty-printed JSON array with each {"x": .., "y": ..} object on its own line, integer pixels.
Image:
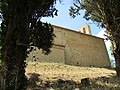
[{"x": 84, "y": 30}]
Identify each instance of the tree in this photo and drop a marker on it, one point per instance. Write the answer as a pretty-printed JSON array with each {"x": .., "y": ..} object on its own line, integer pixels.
[
  {"x": 21, "y": 30},
  {"x": 106, "y": 13}
]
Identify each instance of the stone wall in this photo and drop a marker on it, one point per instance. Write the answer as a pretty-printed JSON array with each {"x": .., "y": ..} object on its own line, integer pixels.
[
  {"x": 57, "y": 55},
  {"x": 75, "y": 48}
]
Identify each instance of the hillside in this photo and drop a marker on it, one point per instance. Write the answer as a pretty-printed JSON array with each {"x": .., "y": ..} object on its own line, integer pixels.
[{"x": 53, "y": 76}]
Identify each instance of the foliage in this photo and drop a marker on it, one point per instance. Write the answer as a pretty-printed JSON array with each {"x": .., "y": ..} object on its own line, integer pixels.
[
  {"x": 107, "y": 14},
  {"x": 22, "y": 29},
  {"x": 0, "y": 38},
  {"x": 112, "y": 63},
  {"x": 0, "y": 45},
  {"x": 30, "y": 16}
]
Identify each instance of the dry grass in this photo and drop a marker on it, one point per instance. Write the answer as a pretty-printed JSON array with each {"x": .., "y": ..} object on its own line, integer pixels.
[{"x": 53, "y": 76}]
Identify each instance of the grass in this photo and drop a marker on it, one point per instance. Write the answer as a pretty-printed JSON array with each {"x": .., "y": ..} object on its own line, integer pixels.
[{"x": 54, "y": 76}]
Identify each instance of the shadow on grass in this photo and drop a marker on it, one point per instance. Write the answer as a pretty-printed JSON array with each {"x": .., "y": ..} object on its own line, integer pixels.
[
  {"x": 100, "y": 83},
  {"x": 106, "y": 83}
]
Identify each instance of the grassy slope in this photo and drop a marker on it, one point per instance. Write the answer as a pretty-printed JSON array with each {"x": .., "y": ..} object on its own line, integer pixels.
[{"x": 44, "y": 76}]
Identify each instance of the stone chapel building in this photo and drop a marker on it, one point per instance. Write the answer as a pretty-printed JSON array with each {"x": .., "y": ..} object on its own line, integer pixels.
[{"x": 75, "y": 48}]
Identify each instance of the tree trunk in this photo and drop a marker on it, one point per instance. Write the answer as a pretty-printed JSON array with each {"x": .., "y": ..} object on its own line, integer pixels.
[
  {"x": 116, "y": 53},
  {"x": 14, "y": 56},
  {"x": 15, "y": 71}
]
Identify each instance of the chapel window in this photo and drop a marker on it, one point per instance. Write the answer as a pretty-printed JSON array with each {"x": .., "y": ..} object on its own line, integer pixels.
[{"x": 84, "y": 30}]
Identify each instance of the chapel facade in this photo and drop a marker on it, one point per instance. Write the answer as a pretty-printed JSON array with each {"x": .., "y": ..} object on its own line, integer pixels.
[{"x": 79, "y": 48}]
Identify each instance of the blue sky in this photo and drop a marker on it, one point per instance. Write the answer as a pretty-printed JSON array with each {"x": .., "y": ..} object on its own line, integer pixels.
[{"x": 64, "y": 20}]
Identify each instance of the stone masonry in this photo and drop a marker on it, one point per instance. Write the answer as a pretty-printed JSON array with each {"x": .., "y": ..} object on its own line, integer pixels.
[{"x": 75, "y": 48}]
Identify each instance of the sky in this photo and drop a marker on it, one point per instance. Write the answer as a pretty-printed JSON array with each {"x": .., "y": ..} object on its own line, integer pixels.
[{"x": 64, "y": 20}]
